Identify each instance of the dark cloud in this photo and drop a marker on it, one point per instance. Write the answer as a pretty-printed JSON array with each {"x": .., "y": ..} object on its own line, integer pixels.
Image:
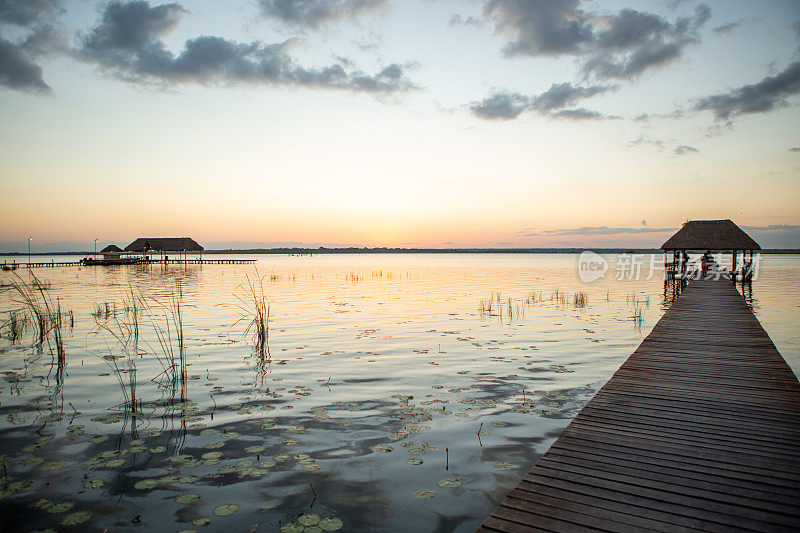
[
  {"x": 728, "y": 28},
  {"x": 35, "y": 22},
  {"x": 795, "y": 149},
  {"x": 28, "y": 12},
  {"x": 554, "y": 27},
  {"x": 17, "y": 71},
  {"x": 313, "y": 14},
  {"x": 127, "y": 44},
  {"x": 563, "y": 94},
  {"x": 507, "y": 105},
  {"x": 624, "y": 45},
  {"x": 770, "y": 93},
  {"x": 581, "y": 113},
  {"x": 683, "y": 149},
  {"x": 592, "y": 230},
  {"x": 501, "y": 106}
]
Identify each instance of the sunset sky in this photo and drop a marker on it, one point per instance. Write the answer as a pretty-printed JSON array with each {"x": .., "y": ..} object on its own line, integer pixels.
[{"x": 435, "y": 123}]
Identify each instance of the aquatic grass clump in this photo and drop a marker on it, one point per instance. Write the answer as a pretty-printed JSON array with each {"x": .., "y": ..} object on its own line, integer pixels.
[
  {"x": 580, "y": 299},
  {"x": 15, "y": 326},
  {"x": 45, "y": 316},
  {"x": 255, "y": 308}
]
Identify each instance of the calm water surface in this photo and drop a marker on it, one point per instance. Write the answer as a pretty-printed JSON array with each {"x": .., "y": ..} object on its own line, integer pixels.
[{"x": 398, "y": 392}]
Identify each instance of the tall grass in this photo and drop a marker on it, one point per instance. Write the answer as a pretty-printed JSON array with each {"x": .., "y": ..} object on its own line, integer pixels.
[
  {"x": 15, "y": 326},
  {"x": 44, "y": 314},
  {"x": 255, "y": 307},
  {"x": 166, "y": 319}
]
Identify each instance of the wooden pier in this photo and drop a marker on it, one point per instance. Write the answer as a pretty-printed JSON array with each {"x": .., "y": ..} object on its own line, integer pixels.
[
  {"x": 698, "y": 429},
  {"x": 54, "y": 264}
]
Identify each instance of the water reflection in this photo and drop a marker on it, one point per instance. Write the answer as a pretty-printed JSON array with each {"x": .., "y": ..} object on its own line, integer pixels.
[{"x": 384, "y": 393}]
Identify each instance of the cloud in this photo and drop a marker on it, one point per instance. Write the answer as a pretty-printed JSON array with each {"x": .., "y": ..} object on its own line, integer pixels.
[
  {"x": 313, "y": 14},
  {"x": 728, "y": 28},
  {"x": 770, "y": 93},
  {"x": 592, "y": 231},
  {"x": 509, "y": 105},
  {"x": 624, "y": 45},
  {"x": 683, "y": 149},
  {"x": 473, "y": 22},
  {"x": 659, "y": 144},
  {"x": 501, "y": 106},
  {"x": 795, "y": 149},
  {"x": 773, "y": 227},
  {"x": 562, "y": 94},
  {"x": 127, "y": 44},
  {"x": 581, "y": 113},
  {"x": 28, "y": 12},
  {"x": 36, "y": 24}
]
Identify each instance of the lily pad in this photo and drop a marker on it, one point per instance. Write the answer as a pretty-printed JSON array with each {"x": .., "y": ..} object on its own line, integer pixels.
[
  {"x": 292, "y": 527},
  {"x": 226, "y": 509},
  {"x": 382, "y": 448},
  {"x": 189, "y": 497},
  {"x": 309, "y": 519},
  {"x": 424, "y": 494},
  {"x": 414, "y": 461},
  {"x": 76, "y": 518},
  {"x": 93, "y": 483},
  {"x": 54, "y": 465},
  {"x": 60, "y": 507},
  {"x": 201, "y": 521},
  {"x": 449, "y": 482},
  {"x": 503, "y": 465},
  {"x": 145, "y": 484},
  {"x": 330, "y": 523},
  {"x": 114, "y": 463}
]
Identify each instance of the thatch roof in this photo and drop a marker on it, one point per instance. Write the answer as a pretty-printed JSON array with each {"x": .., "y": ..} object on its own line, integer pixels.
[
  {"x": 164, "y": 244},
  {"x": 111, "y": 248},
  {"x": 710, "y": 235}
]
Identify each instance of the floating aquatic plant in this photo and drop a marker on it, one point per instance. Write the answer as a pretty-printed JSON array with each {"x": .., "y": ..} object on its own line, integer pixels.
[
  {"x": 449, "y": 482},
  {"x": 73, "y": 519},
  {"x": 226, "y": 509}
]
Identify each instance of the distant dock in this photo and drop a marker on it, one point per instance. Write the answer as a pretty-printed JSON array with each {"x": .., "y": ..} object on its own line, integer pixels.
[
  {"x": 698, "y": 429},
  {"x": 55, "y": 264}
]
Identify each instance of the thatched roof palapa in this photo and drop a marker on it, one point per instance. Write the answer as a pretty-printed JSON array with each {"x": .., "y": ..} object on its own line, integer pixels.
[
  {"x": 710, "y": 235},
  {"x": 164, "y": 244},
  {"x": 111, "y": 249}
]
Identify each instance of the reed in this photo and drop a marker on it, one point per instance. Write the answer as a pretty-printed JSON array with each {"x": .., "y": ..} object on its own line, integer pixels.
[
  {"x": 580, "y": 299},
  {"x": 15, "y": 326},
  {"x": 46, "y": 316},
  {"x": 166, "y": 319},
  {"x": 255, "y": 308}
]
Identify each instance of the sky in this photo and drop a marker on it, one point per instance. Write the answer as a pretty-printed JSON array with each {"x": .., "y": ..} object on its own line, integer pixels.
[{"x": 409, "y": 123}]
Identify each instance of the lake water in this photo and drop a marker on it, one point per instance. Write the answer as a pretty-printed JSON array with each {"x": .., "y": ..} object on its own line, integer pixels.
[{"x": 396, "y": 392}]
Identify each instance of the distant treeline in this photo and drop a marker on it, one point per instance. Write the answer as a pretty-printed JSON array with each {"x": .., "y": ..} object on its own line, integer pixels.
[{"x": 384, "y": 250}]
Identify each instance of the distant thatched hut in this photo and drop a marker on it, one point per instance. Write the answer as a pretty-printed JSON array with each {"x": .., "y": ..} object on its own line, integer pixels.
[
  {"x": 145, "y": 245},
  {"x": 709, "y": 235},
  {"x": 111, "y": 252}
]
